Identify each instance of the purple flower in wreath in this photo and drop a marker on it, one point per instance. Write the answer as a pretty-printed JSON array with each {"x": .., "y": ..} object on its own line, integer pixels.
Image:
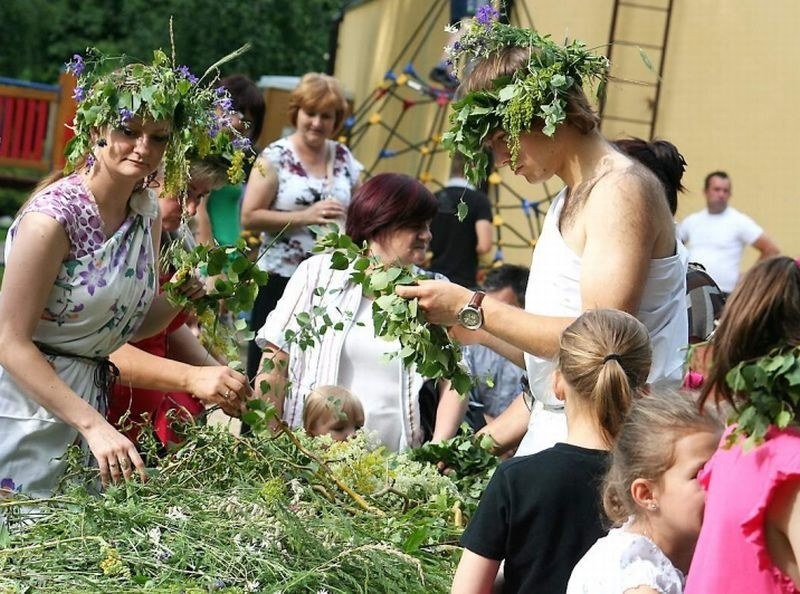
[
  {"x": 125, "y": 114},
  {"x": 241, "y": 143},
  {"x": 75, "y": 65},
  {"x": 79, "y": 94},
  {"x": 486, "y": 15},
  {"x": 7, "y": 484},
  {"x": 225, "y": 104},
  {"x": 93, "y": 278},
  {"x": 187, "y": 74}
]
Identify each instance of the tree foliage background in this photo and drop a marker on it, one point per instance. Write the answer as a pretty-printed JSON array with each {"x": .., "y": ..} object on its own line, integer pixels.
[{"x": 288, "y": 37}]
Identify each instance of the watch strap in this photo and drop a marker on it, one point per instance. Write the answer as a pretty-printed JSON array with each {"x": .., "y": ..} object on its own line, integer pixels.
[{"x": 477, "y": 299}]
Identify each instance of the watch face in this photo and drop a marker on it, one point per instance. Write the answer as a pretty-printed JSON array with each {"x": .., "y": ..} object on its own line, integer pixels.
[{"x": 471, "y": 318}]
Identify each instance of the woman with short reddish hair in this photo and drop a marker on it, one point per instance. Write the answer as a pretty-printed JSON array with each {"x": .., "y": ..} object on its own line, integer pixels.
[
  {"x": 302, "y": 180},
  {"x": 391, "y": 213}
]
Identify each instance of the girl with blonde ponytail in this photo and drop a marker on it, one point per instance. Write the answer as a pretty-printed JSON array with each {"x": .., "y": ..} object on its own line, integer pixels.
[{"x": 541, "y": 513}]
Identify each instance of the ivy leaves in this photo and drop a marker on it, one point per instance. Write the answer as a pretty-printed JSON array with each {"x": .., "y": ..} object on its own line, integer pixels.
[
  {"x": 468, "y": 460},
  {"x": 422, "y": 344},
  {"x": 235, "y": 289},
  {"x": 513, "y": 103},
  {"x": 771, "y": 387}
]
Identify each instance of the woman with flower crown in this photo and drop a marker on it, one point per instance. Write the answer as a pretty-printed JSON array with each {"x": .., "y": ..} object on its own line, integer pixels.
[
  {"x": 81, "y": 275},
  {"x": 608, "y": 240}
]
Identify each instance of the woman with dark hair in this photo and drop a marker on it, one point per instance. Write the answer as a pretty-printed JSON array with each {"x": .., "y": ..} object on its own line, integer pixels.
[
  {"x": 752, "y": 483},
  {"x": 391, "y": 213},
  {"x": 301, "y": 180}
]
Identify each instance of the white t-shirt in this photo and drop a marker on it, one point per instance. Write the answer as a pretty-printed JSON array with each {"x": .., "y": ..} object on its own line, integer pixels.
[
  {"x": 621, "y": 561},
  {"x": 717, "y": 241}
]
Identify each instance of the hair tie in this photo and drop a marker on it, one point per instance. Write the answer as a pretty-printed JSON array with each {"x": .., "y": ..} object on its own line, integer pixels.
[{"x": 612, "y": 357}]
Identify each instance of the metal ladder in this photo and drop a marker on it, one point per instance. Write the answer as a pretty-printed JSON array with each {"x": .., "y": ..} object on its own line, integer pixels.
[{"x": 639, "y": 30}]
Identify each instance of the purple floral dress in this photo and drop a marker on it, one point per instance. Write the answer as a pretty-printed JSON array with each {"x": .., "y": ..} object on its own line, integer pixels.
[{"x": 97, "y": 302}]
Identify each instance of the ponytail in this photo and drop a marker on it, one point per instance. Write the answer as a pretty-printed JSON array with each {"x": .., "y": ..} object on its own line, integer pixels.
[
  {"x": 605, "y": 356},
  {"x": 611, "y": 398}
]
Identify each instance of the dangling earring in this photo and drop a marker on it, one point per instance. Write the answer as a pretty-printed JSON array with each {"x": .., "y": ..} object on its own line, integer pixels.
[{"x": 148, "y": 181}]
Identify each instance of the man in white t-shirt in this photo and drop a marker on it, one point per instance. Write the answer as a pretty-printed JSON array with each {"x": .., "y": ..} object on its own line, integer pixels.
[{"x": 717, "y": 235}]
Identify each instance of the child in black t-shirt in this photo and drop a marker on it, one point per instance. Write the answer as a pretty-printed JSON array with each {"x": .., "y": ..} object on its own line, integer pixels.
[{"x": 541, "y": 513}]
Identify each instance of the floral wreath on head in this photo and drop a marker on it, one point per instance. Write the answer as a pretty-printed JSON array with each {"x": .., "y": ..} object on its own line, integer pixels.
[
  {"x": 109, "y": 93},
  {"x": 538, "y": 90}
]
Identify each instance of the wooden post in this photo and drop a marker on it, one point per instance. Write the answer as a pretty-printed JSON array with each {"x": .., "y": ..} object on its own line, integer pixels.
[{"x": 64, "y": 117}]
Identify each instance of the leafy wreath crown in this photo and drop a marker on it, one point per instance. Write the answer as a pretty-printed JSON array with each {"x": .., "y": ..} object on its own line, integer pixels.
[
  {"x": 538, "y": 90},
  {"x": 110, "y": 92}
]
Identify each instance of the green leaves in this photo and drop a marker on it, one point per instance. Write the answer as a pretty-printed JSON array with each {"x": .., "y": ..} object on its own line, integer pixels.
[
  {"x": 769, "y": 388},
  {"x": 468, "y": 461},
  {"x": 235, "y": 290},
  {"x": 424, "y": 345},
  {"x": 462, "y": 210}
]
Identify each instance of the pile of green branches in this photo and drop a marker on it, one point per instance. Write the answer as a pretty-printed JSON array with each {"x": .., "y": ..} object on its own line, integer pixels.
[{"x": 231, "y": 514}]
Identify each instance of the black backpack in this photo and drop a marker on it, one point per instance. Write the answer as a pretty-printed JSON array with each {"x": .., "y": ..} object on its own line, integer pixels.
[{"x": 704, "y": 303}]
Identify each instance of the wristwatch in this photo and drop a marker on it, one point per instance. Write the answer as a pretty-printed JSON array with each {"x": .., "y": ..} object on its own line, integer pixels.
[{"x": 471, "y": 315}]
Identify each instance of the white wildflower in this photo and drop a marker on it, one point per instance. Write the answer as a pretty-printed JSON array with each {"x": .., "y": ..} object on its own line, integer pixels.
[
  {"x": 176, "y": 513},
  {"x": 252, "y": 586},
  {"x": 154, "y": 534},
  {"x": 297, "y": 491}
]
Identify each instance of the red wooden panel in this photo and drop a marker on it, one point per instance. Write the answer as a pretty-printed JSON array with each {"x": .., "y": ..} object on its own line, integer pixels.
[
  {"x": 30, "y": 122},
  {"x": 8, "y": 114},
  {"x": 39, "y": 134},
  {"x": 16, "y": 127}
]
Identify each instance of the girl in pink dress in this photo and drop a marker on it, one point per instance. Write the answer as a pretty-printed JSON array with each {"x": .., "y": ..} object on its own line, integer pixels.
[{"x": 750, "y": 540}]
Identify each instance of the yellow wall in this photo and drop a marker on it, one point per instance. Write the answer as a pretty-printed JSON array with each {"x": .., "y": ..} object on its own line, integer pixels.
[
  {"x": 729, "y": 102},
  {"x": 727, "y": 95}
]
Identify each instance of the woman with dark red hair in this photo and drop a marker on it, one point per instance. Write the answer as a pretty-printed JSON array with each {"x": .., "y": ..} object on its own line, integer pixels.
[{"x": 391, "y": 213}]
